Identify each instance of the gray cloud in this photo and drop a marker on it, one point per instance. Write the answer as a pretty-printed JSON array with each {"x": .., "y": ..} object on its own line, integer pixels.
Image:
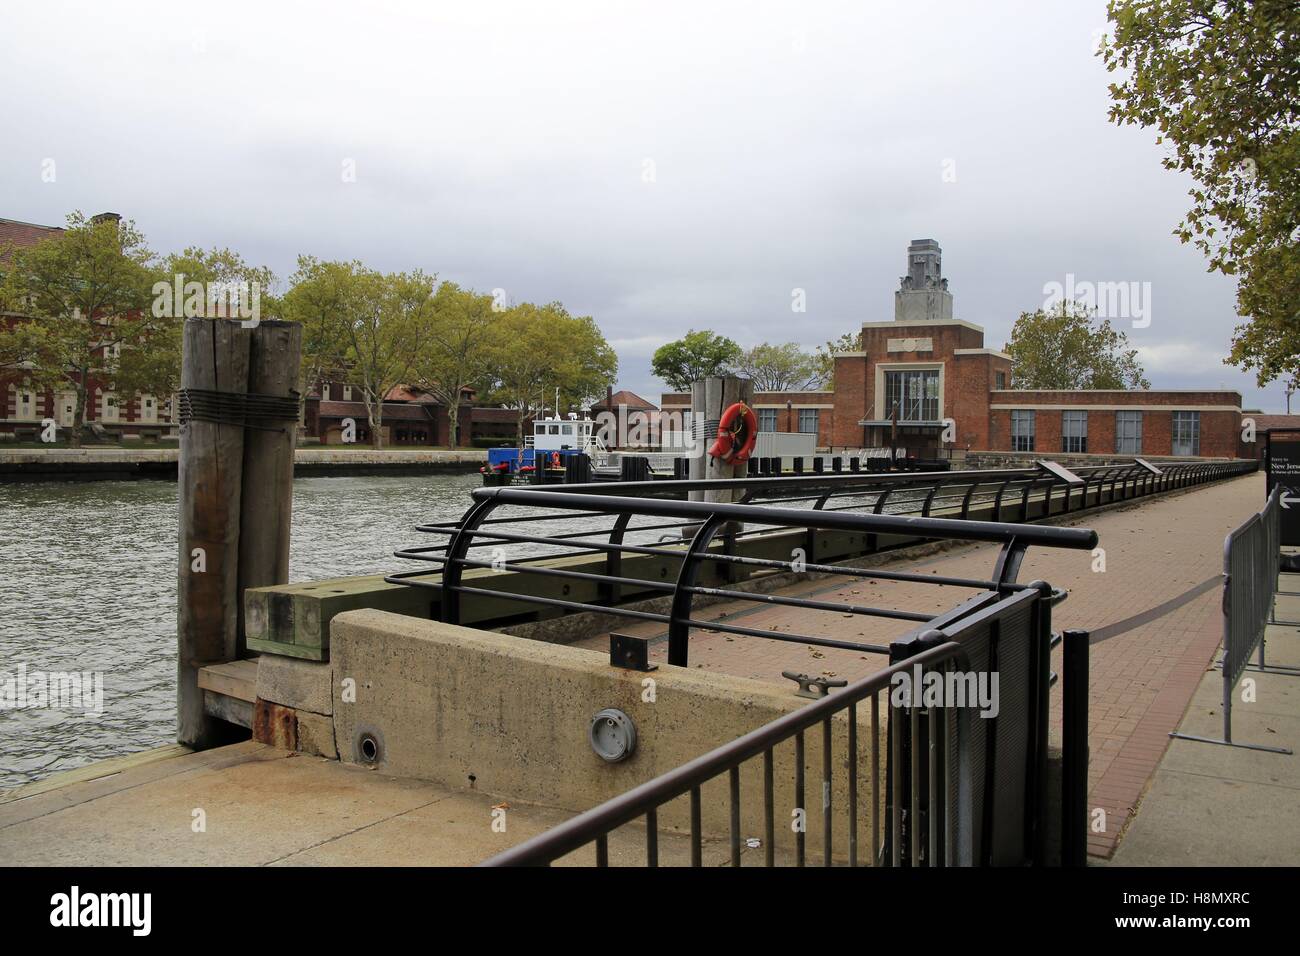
[{"x": 792, "y": 145}]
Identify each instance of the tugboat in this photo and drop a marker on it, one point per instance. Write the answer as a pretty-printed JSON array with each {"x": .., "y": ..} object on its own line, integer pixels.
[{"x": 545, "y": 452}]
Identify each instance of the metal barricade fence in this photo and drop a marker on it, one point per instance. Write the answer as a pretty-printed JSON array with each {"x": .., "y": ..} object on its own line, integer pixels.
[{"x": 1251, "y": 563}]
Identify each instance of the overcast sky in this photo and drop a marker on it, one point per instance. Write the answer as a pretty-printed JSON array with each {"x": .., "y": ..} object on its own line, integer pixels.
[{"x": 658, "y": 166}]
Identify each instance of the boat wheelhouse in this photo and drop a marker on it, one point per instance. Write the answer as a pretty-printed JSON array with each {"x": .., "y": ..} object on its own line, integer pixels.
[{"x": 552, "y": 442}]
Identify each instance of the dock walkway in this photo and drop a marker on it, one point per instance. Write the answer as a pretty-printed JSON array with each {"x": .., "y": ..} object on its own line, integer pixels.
[{"x": 1153, "y": 611}]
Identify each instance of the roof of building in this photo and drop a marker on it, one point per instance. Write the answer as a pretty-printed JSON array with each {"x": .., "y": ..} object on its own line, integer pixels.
[
  {"x": 408, "y": 393},
  {"x": 483, "y": 413},
  {"x": 398, "y": 411},
  {"x": 1275, "y": 421},
  {"x": 21, "y": 234},
  {"x": 624, "y": 397}
]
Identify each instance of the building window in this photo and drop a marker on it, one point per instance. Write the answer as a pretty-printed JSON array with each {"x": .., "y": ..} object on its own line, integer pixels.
[
  {"x": 767, "y": 419},
  {"x": 347, "y": 393},
  {"x": 808, "y": 419},
  {"x": 915, "y": 393},
  {"x": 1187, "y": 433},
  {"x": 1074, "y": 432},
  {"x": 1128, "y": 433},
  {"x": 67, "y": 407},
  {"x": 25, "y": 408},
  {"x": 1022, "y": 430},
  {"x": 999, "y": 379}
]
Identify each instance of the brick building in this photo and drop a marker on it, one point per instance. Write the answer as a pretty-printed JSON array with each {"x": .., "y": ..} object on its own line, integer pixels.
[
  {"x": 930, "y": 376},
  {"x": 23, "y": 408}
]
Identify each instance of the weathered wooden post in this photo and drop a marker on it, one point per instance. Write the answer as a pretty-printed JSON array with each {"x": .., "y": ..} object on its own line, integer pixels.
[
  {"x": 239, "y": 414},
  {"x": 266, "y": 504},
  {"x": 214, "y": 362}
]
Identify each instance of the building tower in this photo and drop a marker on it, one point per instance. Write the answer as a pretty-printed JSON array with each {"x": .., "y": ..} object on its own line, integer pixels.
[{"x": 923, "y": 294}]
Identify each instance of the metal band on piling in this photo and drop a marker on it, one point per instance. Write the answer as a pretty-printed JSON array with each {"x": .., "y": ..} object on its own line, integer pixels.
[{"x": 236, "y": 408}]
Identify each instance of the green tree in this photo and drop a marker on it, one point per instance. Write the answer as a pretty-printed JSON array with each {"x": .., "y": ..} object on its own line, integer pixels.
[
  {"x": 1061, "y": 348},
  {"x": 230, "y": 288},
  {"x": 1220, "y": 82},
  {"x": 780, "y": 368},
  {"x": 317, "y": 299},
  {"x": 386, "y": 326},
  {"x": 694, "y": 356},
  {"x": 537, "y": 349},
  {"x": 90, "y": 290},
  {"x": 848, "y": 342},
  {"x": 458, "y": 352}
]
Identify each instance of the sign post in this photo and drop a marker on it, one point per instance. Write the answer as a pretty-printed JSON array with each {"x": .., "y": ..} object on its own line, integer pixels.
[{"x": 1282, "y": 468}]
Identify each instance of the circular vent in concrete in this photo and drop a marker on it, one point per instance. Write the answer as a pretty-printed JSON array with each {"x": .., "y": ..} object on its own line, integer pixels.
[{"x": 612, "y": 734}]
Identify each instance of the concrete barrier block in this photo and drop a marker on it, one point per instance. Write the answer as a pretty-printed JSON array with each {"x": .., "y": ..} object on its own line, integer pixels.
[
  {"x": 302, "y": 685},
  {"x": 316, "y": 735},
  {"x": 510, "y": 716}
]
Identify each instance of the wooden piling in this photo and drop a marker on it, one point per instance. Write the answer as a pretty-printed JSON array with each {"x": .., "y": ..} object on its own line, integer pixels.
[
  {"x": 711, "y": 397},
  {"x": 215, "y": 358},
  {"x": 266, "y": 501}
]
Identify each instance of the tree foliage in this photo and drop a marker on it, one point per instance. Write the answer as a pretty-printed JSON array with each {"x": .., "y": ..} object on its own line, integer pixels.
[
  {"x": 1061, "y": 348},
  {"x": 825, "y": 357},
  {"x": 157, "y": 369},
  {"x": 317, "y": 297},
  {"x": 694, "y": 356},
  {"x": 1220, "y": 81},
  {"x": 537, "y": 349},
  {"x": 459, "y": 348},
  {"x": 386, "y": 326},
  {"x": 779, "y": 368}
]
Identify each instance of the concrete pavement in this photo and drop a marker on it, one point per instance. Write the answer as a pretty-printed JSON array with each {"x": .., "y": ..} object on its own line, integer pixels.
[{"x": 1212, "y": 805}]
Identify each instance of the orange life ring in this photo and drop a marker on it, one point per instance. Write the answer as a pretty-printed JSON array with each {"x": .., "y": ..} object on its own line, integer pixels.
[{"x": 737, "y": 433}]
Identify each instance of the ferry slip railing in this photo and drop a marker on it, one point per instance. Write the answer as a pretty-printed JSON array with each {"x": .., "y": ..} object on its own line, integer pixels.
[
  {"x": 618, "y": 531},
  {"x": 712, "y": 544}
]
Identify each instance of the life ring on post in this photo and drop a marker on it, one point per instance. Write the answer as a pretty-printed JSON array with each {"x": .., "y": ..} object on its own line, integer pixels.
[{"x": 737, "y": 433}]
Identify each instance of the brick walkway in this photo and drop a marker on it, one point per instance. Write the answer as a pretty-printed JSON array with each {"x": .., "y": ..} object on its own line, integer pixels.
[{"x": 1163, "y": 559}]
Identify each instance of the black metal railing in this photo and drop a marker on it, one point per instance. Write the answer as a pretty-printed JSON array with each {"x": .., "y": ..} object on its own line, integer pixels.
[
  {"x": 961, "y": 787},
  {"x": 1011, "y": 491},
  {"x": 705, "y": 564}
]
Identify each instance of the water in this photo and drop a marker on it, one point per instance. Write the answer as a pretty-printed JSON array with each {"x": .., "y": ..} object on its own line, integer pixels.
[{"x": 88, "y": 583}]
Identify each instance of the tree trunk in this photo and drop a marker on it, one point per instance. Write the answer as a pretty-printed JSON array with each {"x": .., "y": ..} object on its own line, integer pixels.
[
  {"x": 78, "y": 415},
  {"x": 377, "y": 426},
  {"x": 453, "y": 420}
]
